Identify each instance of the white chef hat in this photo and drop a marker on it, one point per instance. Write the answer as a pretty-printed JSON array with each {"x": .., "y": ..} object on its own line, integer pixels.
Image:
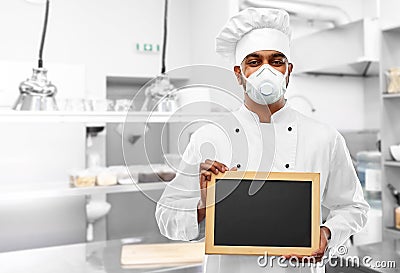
[{"x": 254, "y": 29}]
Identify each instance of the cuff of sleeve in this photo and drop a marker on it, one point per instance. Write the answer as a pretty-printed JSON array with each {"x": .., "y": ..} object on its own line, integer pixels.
[
  {"x": 189, "y": 216},
  {"x": 334, "y": 240},
  {"x": 330, "y": 233},
  {"x": 331, "y": 247}
]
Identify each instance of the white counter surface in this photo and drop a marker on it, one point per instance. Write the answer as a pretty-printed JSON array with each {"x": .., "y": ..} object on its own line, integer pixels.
[{"x": 95, "y": 257}]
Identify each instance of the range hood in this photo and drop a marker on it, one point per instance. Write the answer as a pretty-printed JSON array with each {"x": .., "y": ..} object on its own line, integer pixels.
[{"x": 347, "y": 50}]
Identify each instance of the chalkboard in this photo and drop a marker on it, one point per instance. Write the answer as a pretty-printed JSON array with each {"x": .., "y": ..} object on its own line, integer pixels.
[{"x": 255, "y": 213}]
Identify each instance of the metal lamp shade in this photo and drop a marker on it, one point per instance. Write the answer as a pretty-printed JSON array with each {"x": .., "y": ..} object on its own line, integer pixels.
[{"x": 37, "y": 93}]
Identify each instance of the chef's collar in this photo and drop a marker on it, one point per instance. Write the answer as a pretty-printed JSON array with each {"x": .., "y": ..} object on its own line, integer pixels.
[{"x": 280, "y": 116}]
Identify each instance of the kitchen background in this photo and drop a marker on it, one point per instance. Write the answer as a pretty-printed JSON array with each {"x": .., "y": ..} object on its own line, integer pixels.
[{"x": 99, "y": 50}]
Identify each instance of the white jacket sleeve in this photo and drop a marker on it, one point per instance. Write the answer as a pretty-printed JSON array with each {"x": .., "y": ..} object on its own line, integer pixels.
[
  {"x": 176, "y": 211},
  {"x": 343, "y": 196}
]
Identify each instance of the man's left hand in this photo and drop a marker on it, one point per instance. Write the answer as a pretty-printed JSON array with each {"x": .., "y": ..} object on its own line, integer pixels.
[{"x": 325, "y": 233}]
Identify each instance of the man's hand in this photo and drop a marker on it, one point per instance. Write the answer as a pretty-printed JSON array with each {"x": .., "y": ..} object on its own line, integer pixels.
[
  {"x": 208, "y": 168},
  {"x": 325, "y": 233}
]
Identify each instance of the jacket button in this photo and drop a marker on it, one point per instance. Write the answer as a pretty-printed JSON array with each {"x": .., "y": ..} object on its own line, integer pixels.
[
  {"x": 287, "y": 166},
  {"x": 238, "y": 166},
  {"x": 237, "y": 130},
  {"x": 289, "y": 129}
]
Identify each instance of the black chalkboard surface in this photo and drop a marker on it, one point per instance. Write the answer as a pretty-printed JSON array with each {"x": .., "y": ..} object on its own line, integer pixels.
[{"x": 280, "y": 217}]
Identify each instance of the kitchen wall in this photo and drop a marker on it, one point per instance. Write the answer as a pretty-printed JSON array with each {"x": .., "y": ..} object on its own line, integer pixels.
[
  {"x": 338, "y": 101},
  {"x": 372, "y": 114}
]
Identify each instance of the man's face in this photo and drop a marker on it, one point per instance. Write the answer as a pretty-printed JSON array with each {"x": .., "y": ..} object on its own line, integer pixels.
[{"x": 253, "y": 61}]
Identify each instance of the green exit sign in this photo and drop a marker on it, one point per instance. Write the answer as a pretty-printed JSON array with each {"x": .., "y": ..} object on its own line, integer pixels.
[{"x": 147, "y": 47}]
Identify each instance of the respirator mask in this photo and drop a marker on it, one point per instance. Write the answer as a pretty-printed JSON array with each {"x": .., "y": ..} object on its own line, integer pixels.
[{"x": 266, "y": 85}]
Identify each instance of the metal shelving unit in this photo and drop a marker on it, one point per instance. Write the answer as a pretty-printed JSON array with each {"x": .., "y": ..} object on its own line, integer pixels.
[
  {"x": 390, "y": 96},
  {"x": 390, "y": 109},
  {"x": 392, "y": 163},
  {"x": 392, "y": 231}
]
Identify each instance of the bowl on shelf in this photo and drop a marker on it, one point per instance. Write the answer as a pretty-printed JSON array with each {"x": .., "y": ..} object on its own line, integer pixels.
[{"x": 395, "y": 152}]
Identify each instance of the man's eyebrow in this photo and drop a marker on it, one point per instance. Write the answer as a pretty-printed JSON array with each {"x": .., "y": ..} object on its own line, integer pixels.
[
  {"x": 254, "y": 55},
  {"x": 278, "y": 54},
  {"x": 273, "y": 55}
]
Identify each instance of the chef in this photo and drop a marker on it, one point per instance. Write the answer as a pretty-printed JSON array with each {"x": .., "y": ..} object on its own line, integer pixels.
[{"x": 257, "y": 41}]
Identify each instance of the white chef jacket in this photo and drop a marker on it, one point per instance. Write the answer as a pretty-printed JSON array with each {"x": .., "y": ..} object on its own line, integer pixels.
[{"x": 301, "y": 144}]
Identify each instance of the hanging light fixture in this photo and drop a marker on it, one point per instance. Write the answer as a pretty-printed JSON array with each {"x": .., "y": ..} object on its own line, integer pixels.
[
  {"x": 37, "y": 93},
  {"x": 160, "y": 95}
]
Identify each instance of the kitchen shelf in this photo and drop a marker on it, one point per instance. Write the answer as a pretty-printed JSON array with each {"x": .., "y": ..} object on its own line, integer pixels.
[
  {"x": 393, "y": 231},
  {"x": 38, "y": 190},
  {"x": 389, "y": 96},
  {"x": 392, "y": 163},
  {"x": 390, "y": 108},
  {"x": 141, "y": 80},
  {"x": 105, "y": 117},
  {"x": 394, "y": 28}
]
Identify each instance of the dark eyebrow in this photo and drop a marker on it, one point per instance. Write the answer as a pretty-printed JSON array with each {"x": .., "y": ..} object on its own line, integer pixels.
[
  {"x": 254, "y": 55},
  {"x": 278, "y": 54},
  {"x": 274, "y": 55}
]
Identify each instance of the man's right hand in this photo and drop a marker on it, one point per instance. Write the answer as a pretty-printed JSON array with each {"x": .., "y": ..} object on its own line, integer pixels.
[{"x": 208, "y": 168}]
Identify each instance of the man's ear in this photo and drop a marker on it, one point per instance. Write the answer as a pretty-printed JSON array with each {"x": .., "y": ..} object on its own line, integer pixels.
[
  {"x": 290, "y": 68},
  {"x": 238, "y": 74}
]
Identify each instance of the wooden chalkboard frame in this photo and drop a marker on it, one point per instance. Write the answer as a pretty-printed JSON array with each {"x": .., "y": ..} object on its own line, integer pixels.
[{"x": 211, "y": 248}]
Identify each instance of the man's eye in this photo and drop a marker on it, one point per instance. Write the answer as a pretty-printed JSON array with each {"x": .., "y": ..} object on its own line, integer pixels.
[
  {"x": 278, "y": 62},
  {"x": 253, "y": 62}
]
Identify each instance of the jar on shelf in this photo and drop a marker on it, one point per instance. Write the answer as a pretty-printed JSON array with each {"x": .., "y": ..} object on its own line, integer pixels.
[
  {"x": 397, "y": 217},
  {"x": 82, "y": 178},
  {"x": 393, "y": 80}
]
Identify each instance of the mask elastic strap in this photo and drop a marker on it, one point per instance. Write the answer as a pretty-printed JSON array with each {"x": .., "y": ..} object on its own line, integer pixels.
[
  {"x": 285, "y": 75},
  {"x": 241, "y": 73}
]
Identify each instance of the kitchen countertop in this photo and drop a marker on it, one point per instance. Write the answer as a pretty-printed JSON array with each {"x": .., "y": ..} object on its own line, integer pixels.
[{"x": 95, "y": 257}]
